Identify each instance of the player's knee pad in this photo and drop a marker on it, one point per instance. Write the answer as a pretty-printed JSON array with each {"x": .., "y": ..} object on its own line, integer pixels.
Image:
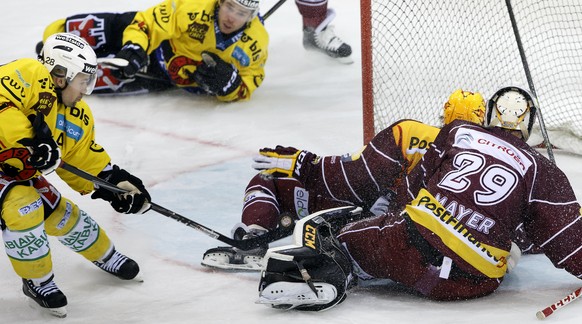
[
  {"x": 25, "y": 239},
  {"x": 76, "y": 230},
  {"x": 312, "y": 274}
]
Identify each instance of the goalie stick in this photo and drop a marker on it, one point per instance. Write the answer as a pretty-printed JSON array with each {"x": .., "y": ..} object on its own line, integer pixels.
[
  {"x": 559, "y": 304},
  {"x": 247, "y": 244}
]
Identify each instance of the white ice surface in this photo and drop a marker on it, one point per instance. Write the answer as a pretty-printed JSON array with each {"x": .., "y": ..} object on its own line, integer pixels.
[{"x": 194, "y": 155}]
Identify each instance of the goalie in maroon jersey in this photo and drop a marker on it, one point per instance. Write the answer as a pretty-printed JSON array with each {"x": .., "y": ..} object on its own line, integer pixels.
[
  {"x": 453, "y": 238},
  {"x": 295, "y": 183}
]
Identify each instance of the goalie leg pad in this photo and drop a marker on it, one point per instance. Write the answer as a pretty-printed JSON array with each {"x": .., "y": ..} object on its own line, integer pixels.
[
  {"x": 315, "y": 261},
  {"x": 289, "y": 295}
]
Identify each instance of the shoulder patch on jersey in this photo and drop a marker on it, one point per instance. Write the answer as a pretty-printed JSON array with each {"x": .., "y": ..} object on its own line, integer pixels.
[
  {"x": 198, "y": 31},
  {"x": 242, "y": 57}
]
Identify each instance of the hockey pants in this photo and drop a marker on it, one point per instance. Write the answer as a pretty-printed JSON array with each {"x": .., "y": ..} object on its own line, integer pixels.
[{"x": 34, "y": 209}]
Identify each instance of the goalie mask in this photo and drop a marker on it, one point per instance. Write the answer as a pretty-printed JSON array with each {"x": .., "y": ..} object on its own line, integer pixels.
[
  {"x": 512, "y": 108},
  {"x": 465, "y": 105},
  {"x": 69, "y": 56}
]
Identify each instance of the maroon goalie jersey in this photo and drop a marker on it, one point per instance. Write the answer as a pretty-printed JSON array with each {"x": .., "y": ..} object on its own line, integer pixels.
[{"x": 493, "y": 182}]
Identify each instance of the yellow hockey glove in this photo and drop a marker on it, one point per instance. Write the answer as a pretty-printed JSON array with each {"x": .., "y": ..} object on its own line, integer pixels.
[{"x": 282, "y": 161}]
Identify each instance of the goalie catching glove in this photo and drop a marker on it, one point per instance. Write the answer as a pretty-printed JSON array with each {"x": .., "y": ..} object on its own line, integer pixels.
[
  {"x": 45, "y": 154},
  {"x": 135, "y": 201},
  {"x": 283, "y": 161},
  {"x": 216, "y": 76}
]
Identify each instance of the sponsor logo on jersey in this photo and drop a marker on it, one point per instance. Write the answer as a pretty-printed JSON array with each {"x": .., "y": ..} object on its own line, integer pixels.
[
  {"x": 254, "y": 47},
  {"x": 45, "y": 103},
  {"x": 197, "y": 31},
  {"x": 164, "y": 16},
  {"x": 13, "y": 87},
  {"x": 490, "y": 145},
  {"x": 301, "y": 198},
  {"x": 71, "y": 130},
  {"x": 418, "y": 145}
]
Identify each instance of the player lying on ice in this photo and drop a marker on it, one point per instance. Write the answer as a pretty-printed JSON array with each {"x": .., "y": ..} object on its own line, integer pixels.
[
  {"x": 492, "y": 178},
  {"x": 44, "y": 120},
  {"x": 295, "y": 183},
  {"x": 218, "y": 47}
]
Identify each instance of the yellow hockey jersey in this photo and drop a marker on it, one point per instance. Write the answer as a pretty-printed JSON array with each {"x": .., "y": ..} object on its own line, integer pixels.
[
  {"x": 180, "y": 30},
  {"x": 26, "y": 88}
]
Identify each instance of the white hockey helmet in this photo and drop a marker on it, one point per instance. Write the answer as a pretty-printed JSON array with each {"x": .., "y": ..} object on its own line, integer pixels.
[
  {"x": 512, "y": 108},
  {"x": 252, "y": 5},
  {"x": 68, "y": 55}
]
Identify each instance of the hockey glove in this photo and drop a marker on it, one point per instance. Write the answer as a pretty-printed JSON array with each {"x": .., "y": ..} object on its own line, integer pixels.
[
  {"x": 136, "y": 58},
  {"x": 216, "y": 76},
  {"x": 282, "y": 161},
  {"x": 135, "y": 201},
  {"x": 45, "y": 153}
]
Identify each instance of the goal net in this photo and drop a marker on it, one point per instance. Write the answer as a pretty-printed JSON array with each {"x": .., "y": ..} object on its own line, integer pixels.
[{"x": 416, "y": 53}]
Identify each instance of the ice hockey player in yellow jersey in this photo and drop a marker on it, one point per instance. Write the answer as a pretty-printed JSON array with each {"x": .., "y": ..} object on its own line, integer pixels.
[
  {"x": 43, "y": 121},
  {"x": 218, "y": 47}
]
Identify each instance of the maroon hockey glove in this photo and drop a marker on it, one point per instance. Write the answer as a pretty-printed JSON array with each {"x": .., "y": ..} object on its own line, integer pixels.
[
  {"x": 135, "y": 201},
  {"x": 283, "y": 161},
  {"x": 136, "y": 58},
  {"x": 45, "y": 153},
  {"x": 216, "y": 76}
]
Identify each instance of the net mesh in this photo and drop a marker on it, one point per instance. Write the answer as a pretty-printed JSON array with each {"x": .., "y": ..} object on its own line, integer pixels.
[{"x": 423, "y": 50}]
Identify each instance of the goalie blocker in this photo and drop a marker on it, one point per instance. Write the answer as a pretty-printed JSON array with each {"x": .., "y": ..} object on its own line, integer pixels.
[{"x": 311, "y": 274}]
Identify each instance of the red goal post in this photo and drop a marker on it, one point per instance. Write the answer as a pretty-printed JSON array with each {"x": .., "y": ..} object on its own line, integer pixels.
[{"x": 415, "y": 53}]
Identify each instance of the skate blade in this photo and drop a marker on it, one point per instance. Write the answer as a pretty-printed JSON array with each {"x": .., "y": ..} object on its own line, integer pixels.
[
  {"x": 138, "y": 278},
  {"x": 60, "y": 312},
  {"x": 345, "y": 60},
  {"x": 217, "y": 262}
]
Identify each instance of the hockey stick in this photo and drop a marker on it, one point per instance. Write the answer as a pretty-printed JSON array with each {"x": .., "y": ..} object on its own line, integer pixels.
[
  {"x": 273, "y": 9},
  {"x": 530, "y": 80},
  {"x": 559, "y": 304},
  {"x": 247, "y": 244},
  {"x": 115, "y": 63}
]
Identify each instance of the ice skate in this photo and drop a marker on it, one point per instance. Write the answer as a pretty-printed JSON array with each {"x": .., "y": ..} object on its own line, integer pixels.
[
  {"x": 323, "y": 39},
  {"x": 229, "y": 258},
  {"x": 120, "y": 266},
  {"x": 47, "y": 295}
]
